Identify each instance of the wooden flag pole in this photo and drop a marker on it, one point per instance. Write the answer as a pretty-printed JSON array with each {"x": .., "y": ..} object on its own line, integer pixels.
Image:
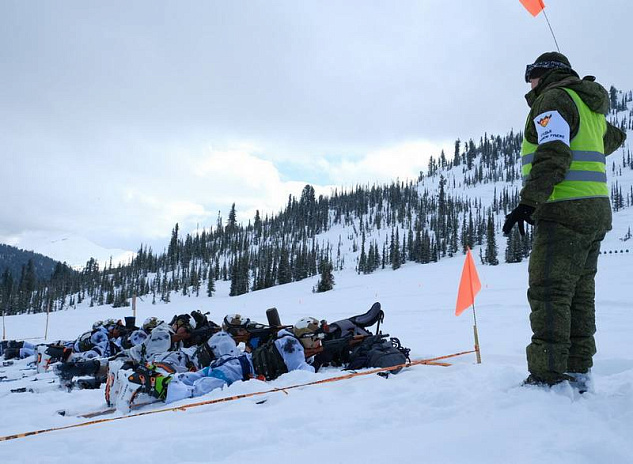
[
  {"x": 4, "y": 330},
  {"x": 477, "y": 352},
  {"x": 48, "y": 311},
  {"x": 134, "y": 306}
]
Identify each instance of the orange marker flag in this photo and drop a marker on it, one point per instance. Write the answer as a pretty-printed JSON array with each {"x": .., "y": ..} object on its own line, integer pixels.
[
  {"x": 533, "y": 6},
  {"x": 469, "y": 285}
]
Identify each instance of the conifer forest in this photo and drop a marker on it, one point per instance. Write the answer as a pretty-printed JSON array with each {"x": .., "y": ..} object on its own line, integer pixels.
[{"x": 459, "y": 202}]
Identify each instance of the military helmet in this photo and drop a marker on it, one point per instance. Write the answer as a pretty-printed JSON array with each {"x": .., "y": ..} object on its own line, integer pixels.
[
  {"x": 150, "y": 323},
  {"x": 97, "y": 324},
  {"x": 110, "y": 324},
  {"x": 306, "y": 326},
  {"x": 180, "y": 321},
  {"x": 234, "y": 321},
  {"x": 307, "y": 330}
]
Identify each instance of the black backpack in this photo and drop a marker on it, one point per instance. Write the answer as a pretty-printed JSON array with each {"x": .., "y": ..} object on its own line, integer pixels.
[
  {"x": 377, "y": 351},
  {"x": 268, "y": 362},
  {"x": 339, "y": 337}
]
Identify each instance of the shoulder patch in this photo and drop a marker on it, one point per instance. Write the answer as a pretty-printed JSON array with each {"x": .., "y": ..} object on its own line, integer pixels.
[{"x": 551, "y": 126}]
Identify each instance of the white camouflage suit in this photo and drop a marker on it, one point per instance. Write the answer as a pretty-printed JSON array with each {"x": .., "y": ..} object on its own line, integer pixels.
[{"x": 230, "y": 366}]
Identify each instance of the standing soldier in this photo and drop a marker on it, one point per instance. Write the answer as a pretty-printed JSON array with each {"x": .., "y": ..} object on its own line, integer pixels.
[{"x": 565, "y": 195}]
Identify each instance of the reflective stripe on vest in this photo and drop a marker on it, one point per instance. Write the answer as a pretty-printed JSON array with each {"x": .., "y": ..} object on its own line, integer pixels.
[{"x": 586, "y": 177}]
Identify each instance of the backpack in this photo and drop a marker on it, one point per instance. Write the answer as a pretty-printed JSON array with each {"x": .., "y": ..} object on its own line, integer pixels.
[
  {"x": 356, "y": 325},
  {"x": 84, "y": 342},
  {"x": 343, "y": 331},
  {"x": 268, "y": 362},
  {"x": 377, "y": 351},
  {"x": 203, "y": 356}
]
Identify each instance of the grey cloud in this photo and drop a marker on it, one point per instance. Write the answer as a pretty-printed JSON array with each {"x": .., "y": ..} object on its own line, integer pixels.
[{"x": 96, "y": 97}]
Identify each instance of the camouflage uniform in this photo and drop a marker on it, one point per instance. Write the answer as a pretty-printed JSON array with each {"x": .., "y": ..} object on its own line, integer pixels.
[{"x": 567, "y": 235}]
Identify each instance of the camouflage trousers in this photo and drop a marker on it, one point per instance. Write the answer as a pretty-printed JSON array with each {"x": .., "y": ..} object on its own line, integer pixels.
[{"x": 561, "y": 293}]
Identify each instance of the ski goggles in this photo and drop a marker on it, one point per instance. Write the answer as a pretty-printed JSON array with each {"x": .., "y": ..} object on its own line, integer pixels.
[
  {"x": 543, "y": 65},
  {"x": 318, "y": 335},
  {"x": 235, "y": 321}
]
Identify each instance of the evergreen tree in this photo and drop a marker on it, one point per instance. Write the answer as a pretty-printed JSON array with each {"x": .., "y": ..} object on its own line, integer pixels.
[
  {"x": 211, "y": 284},
  {"x": 613, "y": 98},
  {"x": 172, "y": 251},
  {"x": 377, "y": 258},
  {"x": 362, "y": 261},
  {"x": 456, "y": 157},
  {"x": 371, "y": 258},
  {"x": 395, "y": 260},
  {"x": 6, "y": 291},
  {"x": 326, "y": 282},
  {"x": 284, "y": 273},
  {"x": 491, "y": 243},
  {"x": 30, "y": 280},
  {"x": 257, "y": 228},
  {"x": 514, "y": 249},
  {"x": 232, "y": 223}
]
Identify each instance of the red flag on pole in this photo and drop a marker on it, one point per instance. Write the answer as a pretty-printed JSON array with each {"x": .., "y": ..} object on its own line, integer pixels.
[
  {"x": 533, "y": 6},
  {"x": 469, "y": 285}
]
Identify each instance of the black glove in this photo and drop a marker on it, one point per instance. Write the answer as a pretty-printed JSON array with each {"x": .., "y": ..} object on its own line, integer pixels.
[{"x": 520, "y": 214}]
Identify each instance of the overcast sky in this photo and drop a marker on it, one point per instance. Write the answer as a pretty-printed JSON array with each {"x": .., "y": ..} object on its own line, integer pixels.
[{"x": 120, "y": 118}]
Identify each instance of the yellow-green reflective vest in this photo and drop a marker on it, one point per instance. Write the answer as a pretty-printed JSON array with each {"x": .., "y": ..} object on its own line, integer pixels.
[{"x": 587, "y": 177}]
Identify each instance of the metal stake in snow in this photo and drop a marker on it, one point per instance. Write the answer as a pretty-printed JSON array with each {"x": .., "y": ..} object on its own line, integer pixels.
[{"x": 469, "y": 286}]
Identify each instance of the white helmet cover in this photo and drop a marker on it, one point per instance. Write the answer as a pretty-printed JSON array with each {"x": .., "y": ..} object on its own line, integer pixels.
[{"x": 223, "y": 344}]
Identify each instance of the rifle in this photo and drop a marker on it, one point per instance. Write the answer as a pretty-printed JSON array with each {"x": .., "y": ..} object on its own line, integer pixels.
[
  {"x": 255, "y": 334},
  {"x": 204, "y": 330},
  {"x": 202, "y": 334},
  {"x": 337, "y": 349}
]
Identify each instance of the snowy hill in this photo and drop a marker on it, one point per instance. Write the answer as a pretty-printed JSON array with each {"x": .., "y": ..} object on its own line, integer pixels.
[
  {"x": 464, "y": 413},
  {"x": 72, "y": 249}
]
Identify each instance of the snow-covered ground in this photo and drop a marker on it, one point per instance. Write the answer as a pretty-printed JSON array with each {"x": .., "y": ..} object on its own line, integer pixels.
[{"x": 465, "y": 413}]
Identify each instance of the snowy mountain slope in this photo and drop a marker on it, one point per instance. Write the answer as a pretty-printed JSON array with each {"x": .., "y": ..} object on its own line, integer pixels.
[
  {"x": 70, "y": 248},
  {"x": 463, "y": 413}
]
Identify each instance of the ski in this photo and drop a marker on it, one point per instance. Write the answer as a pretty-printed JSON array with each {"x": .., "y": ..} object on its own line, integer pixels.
[
  {"x": 102, "y": 412},
  {"x": 53, "y": 386},
  {"x": 112, "y": 410},
  {"x": 6, "y": 379}
]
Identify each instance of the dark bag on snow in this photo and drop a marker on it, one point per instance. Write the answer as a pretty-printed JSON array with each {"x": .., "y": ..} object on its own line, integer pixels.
[
  {"x": 356, "y": 325},
  {"x": 338, "y": 336},
  {"x": 268, "y": 362},
  {"x": 377, "y": 351}
]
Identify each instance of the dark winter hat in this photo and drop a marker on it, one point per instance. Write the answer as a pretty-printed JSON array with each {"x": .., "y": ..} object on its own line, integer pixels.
[{"x": 545, "y": 62}]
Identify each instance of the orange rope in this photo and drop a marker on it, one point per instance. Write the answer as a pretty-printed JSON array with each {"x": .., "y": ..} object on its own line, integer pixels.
[{"x": 431, "y": 361}]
